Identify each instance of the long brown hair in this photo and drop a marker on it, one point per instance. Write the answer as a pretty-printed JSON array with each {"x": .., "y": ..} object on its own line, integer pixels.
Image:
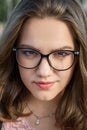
[{"x": 72, "y": 108}]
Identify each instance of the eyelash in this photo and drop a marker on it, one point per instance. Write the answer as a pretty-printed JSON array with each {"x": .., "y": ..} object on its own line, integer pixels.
[
  {"x": 63, "y": 53},
  {"x": 29, "y": 52}
]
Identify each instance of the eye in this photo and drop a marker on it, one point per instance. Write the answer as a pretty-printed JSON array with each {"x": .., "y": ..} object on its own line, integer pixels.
[
  {"x": 30, "y": 53},
  {"x": 62, "y": 53}
]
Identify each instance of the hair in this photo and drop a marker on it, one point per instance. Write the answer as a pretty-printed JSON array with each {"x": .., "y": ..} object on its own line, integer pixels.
[{"x": 71, "y": 113}]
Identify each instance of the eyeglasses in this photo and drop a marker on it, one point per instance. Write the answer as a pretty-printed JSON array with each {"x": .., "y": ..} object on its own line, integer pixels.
[{"x": 60, "y": 60}]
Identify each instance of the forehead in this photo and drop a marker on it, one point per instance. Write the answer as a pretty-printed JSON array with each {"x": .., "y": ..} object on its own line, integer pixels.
[{"x": 46, "y": 33}]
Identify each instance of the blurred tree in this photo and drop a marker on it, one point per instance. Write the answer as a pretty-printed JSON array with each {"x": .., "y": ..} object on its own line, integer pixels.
[
  {"x": 6, "y": 6},
  {"x": 3, "y": 10},
  {"x": 14, "y": 3}
]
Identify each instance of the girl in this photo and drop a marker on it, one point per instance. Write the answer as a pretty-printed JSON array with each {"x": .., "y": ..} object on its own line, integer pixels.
[{"x": 43, "y": 67}]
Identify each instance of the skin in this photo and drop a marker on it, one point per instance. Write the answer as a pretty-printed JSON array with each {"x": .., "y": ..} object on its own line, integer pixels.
[{"x": 46, "y": 35}]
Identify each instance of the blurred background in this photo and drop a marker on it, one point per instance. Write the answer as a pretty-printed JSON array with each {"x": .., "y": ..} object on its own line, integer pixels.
[{"x": 6, "y": 7}]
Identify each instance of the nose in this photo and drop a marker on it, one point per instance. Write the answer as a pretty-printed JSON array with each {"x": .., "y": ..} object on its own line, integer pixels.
[{"x": 44, "y": 69}]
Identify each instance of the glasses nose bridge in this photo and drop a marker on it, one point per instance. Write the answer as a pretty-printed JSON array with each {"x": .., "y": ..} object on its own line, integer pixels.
[{"x": 45, "y": 56}]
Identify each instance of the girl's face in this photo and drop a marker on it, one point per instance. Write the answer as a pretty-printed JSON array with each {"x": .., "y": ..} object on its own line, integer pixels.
[{"x": 45, "y": 35}]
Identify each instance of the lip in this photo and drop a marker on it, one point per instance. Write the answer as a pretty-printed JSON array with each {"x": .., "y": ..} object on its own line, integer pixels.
[{"x": 44, "y": 85}]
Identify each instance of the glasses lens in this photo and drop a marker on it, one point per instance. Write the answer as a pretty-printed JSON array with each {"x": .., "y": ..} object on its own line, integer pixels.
[
  {"x": 61, "y": 60},
  {"x": 27, "y": 58}
]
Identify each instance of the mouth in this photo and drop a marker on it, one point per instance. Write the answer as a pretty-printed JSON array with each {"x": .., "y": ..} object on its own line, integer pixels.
[{"x": 44, "y": 85}]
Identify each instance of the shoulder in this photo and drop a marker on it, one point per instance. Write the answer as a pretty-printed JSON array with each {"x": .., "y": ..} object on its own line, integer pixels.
[{"x": 20, "y": 124}]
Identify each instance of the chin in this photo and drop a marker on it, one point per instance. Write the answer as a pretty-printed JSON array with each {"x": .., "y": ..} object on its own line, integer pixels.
[{"x": 46, "y": 98}]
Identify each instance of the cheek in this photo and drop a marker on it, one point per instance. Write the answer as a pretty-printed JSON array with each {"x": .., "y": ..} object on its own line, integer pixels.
[
  {"x": 26, "y": 76},
  {"x": 65, "y": 76}
]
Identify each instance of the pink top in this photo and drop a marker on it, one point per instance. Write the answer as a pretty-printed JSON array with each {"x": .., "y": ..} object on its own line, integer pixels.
[{"x": 20, "y": 124}]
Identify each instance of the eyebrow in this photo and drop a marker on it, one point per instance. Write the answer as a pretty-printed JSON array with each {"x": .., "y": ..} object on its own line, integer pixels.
[{"x": 37, "y": 49}]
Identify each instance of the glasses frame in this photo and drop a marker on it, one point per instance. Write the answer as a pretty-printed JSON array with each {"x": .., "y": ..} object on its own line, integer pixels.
[{"x": 74, "y": 52}]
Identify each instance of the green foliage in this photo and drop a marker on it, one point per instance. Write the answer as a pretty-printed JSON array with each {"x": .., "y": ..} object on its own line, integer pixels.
[
  {"x": 14, "y": 2},
  {"x": 6, "y": 8},
  {"x": 3, "y": 10}
]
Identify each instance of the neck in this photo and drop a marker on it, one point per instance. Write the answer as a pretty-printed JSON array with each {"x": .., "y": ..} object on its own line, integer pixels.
[{"x": 42, "y": 107}]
